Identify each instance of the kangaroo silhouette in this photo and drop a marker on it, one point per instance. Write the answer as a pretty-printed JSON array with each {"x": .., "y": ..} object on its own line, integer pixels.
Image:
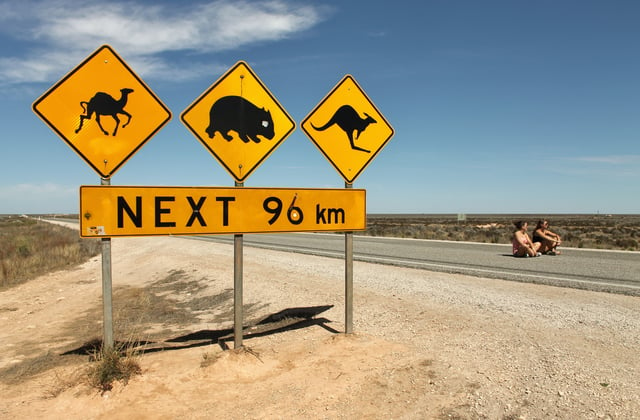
[
  {"x": 104, "y": 104},
  {"x": 349, "y": 121}
]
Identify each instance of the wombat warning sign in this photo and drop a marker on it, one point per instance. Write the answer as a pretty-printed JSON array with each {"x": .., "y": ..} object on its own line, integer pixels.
[{"x": 239, "y": 121}]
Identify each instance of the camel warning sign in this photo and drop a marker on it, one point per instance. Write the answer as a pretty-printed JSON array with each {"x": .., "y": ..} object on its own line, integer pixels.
[
  {"x": 347, "y": 128},
  {"x": 239, "y": 121},
  {"x": 103, "y": 111}
]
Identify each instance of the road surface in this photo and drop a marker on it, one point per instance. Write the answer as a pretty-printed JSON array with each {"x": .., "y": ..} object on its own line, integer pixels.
[{"x": 601, "y": 270}]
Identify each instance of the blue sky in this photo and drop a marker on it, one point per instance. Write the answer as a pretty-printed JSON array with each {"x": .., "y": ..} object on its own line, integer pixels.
[{"x": 497, "y": 106}]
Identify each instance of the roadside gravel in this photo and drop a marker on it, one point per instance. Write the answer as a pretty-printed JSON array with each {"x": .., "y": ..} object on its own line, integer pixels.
[
  {"x": 426, "y": 345},
  {"x": 513, "y": 350}
]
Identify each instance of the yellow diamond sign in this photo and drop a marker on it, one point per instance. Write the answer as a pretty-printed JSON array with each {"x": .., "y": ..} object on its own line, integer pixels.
[
  {"x": 347, "y": 128},
  {"x": 239, "y": 121},
  {"x": 103, "y": 111}
]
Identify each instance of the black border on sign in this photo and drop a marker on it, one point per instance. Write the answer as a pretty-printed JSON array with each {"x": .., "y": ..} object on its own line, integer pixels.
[
  {"x": 206, "y": 93},
  {"x": 373, "y": 155},
  {"x": 71, "y": 73}
]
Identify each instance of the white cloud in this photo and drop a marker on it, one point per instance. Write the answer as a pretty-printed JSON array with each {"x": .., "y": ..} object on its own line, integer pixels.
[{"x": 60, "y": 32}]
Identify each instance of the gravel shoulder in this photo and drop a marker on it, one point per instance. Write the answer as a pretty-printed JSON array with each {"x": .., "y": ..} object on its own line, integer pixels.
[{"x": 426, "y": 344}]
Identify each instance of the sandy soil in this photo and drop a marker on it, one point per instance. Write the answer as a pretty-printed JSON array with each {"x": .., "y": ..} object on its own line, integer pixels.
[{"x": 426, "y": 345}]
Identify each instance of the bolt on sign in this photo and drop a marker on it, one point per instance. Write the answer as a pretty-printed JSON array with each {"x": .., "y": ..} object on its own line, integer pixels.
[
  {"x": 239, "y": 121},
  {"x": 107, "y": 211},
  {"x": 347, "y": 128},
  {"x": 103, "y": 111}
]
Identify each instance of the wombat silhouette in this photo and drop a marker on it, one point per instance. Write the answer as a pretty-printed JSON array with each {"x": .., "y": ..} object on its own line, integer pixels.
[
  {"x": 237, "y": 114},
  {"x": 104, "y": 104},
  {"x": 349, "y": 121}
]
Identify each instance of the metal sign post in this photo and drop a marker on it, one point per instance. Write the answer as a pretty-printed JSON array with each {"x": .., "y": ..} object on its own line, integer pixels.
[
  {"x": 68, "y": 108},
  {"x": 107, "y": 306},
  {"x": 348, "y": 278},
  {"x": 238, "y": 316},
  {"x": 346, "y": 111},
  {"x": 238, "y": 102}
]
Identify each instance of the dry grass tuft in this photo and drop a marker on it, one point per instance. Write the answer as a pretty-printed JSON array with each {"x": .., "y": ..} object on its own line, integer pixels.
[
  {"x": 29, "y": 248},
  {"x": 113, "y": 364}
]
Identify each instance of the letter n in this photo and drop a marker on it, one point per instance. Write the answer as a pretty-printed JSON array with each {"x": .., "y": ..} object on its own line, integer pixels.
[{"x": 136, "y": 217}]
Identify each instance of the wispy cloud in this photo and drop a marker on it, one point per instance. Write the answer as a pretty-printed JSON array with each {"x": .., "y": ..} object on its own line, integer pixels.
[
  {"x": 598, "y": 165},
  {"x": 610, "y": 160},
  {"x": 48, "y": 35}
]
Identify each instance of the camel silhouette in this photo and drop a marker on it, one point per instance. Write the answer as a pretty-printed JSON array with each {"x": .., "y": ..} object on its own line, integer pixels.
[{"x": 104, "y": 104}]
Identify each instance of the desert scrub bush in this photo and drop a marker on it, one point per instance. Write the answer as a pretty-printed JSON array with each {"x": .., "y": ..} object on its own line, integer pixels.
[
  {"x": 415, "y": 231},
  {"x": 627, "y": 243},
  {"x": 581, "y": 231},
  {"x": 29, "y": 248},
  {"x": 112, "y": 364}
]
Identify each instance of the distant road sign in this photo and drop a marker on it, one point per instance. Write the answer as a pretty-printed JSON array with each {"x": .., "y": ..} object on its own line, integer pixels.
[
  {"x": 239, "y": 121},
  {"x": 107, "y": 211},
  {"x": 347, "y": 128},
  {"x": 103, "y": 111}
]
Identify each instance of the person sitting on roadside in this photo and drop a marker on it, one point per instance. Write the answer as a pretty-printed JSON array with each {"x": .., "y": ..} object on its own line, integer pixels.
[
  {"x": 548, "y": 239},
  {"x": 523, "y": 246}
]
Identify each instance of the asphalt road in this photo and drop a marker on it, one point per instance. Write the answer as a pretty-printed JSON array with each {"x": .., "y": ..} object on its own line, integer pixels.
[{"x": 609, "y": 271}]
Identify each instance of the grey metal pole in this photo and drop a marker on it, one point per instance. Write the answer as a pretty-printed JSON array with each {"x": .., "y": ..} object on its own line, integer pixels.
[
  {"x": 348, "y": 278},
  {"x": 107, "y": 303},
  {"x": 238, "y": 316}
]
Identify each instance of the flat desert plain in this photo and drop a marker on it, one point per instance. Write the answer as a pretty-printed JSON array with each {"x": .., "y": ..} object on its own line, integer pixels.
[{"x": 425, "y": 345}]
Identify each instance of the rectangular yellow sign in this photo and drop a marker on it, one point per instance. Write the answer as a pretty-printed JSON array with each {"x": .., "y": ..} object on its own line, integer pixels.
[{"x": 108, "y": 211}]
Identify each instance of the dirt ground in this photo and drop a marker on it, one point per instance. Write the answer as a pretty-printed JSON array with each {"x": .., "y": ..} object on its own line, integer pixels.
[{"x": 426, "y": 345}]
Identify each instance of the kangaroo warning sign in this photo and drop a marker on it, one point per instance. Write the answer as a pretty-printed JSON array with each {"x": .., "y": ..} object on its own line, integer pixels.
[
  {"x": 103, "y": 111},
  {"x": 347, "y": 128},
  {"x": 239, "y": 121}
]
